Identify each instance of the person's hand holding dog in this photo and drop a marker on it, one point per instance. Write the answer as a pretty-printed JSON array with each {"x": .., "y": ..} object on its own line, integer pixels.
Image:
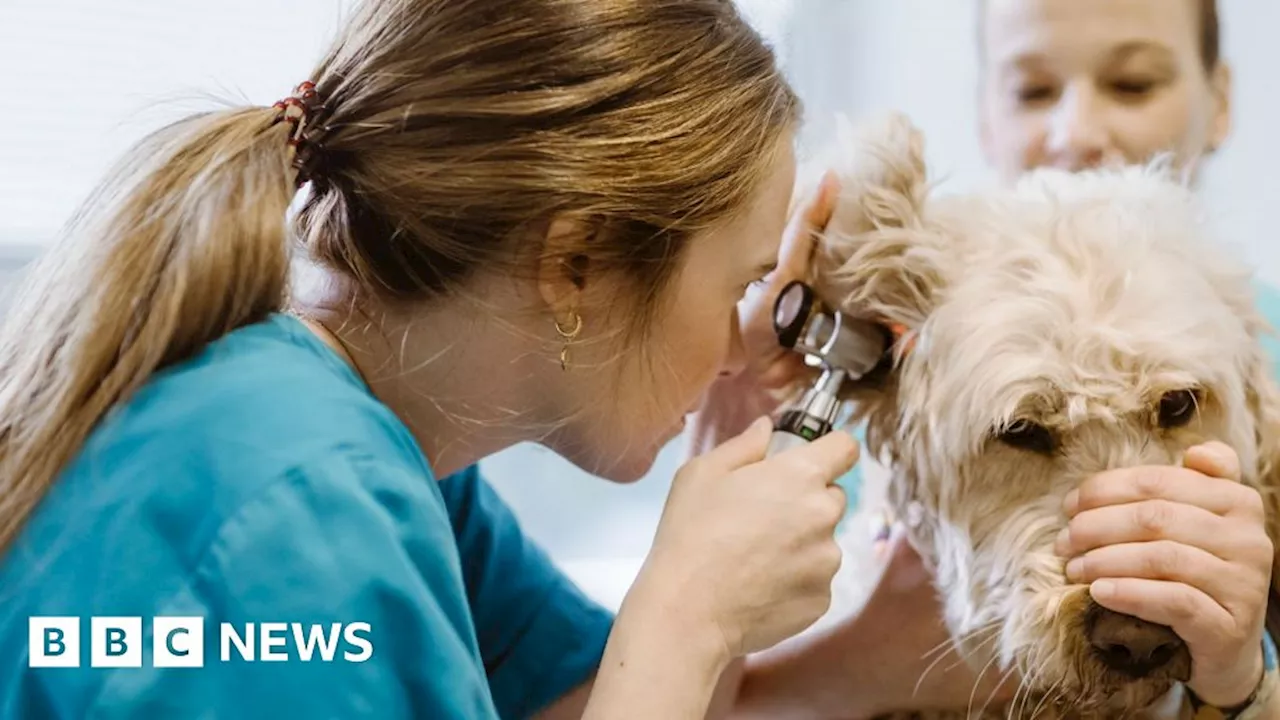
[{"x": 1184, "y": 547}]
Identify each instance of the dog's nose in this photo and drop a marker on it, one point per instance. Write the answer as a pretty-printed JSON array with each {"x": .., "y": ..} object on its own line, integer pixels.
[{"x": 1130, "y": 645}]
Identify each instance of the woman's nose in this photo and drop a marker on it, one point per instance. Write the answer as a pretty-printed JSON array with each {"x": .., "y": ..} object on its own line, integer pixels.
[
  {"x": 1078, "y": 135},
  {"x": 736, "y": 357}
]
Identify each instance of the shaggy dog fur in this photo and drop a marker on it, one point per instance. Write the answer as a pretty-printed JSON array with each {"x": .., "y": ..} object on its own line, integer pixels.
[{"x": 1059, "y": 328}]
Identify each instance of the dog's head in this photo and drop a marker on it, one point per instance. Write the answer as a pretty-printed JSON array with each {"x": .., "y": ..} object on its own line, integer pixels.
[{"x": 1070, "y": 324}]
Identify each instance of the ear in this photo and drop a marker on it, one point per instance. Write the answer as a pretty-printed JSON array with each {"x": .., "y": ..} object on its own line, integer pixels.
[
  {"x": 880, "y": 258},
  {"x": 1264, "y": 401},
  {"x": 563, "y": 266},
  {"x": 1220, "y": 90},
  {"x": 1262, "y": 396},
  {"x": 1235, "y": 283},
  {"x": 876, "y": 258}
]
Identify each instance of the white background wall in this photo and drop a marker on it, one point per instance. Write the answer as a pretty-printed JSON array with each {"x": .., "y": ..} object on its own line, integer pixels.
[{"x": 85, "y": 78}]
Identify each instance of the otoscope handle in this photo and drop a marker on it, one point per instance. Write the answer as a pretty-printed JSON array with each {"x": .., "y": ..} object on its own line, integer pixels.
[
  {"x": 797, "y": 427},
  {"x": 782, "y": 440}
]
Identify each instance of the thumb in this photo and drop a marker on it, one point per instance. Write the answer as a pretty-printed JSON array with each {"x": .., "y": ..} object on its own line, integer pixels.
[
  {"x": 833, "y": 455},
  {"x": 748, "y": 447},
  {"x": 1215, "y": 459},
  {"x": 812, "y": 217}
]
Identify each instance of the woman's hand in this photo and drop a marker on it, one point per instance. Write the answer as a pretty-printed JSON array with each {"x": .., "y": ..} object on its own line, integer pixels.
[
  {"x": 743, "y": 557},
  {"x": 733, "y": 402},
  {"x": 1183, "y": 547},
  {"x": 747, "y": 542}
]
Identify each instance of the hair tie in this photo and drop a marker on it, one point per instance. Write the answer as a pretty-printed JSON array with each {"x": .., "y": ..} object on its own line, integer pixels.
[{"x": 300, "y": 109}]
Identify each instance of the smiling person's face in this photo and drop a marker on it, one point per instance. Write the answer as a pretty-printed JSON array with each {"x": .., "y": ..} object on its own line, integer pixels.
[{"x": 1073, "y": 84}]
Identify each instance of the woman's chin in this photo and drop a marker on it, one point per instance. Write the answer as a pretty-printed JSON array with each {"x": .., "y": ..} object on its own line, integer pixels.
[{"x": 635, "y": 463}]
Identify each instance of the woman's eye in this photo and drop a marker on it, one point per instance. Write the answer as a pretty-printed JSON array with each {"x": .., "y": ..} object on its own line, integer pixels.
[
  {"x": 1133, "y": 89},
  {"x": 1032, "y": 94}
]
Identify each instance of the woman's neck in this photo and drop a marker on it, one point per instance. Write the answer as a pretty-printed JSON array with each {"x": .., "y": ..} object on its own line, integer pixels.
[{"x": 458, "y": 377}]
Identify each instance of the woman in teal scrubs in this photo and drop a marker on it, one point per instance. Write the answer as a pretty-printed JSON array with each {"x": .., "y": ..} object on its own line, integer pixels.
[{"x": 225, "y": 497}]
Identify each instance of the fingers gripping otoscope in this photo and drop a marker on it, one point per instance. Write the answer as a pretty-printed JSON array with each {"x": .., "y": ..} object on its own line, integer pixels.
[{"x": 842, "y": 347}]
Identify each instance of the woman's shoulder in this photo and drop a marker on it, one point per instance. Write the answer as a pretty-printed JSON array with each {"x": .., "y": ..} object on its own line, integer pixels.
[
  {"x": 266, "y": 383},
  {"x": 347, "y": 560},
  {"x": 252, "y": 404},
  {"x": 203, "y": 436},
  {"x": 257, "y": 429},
  {"x": 256, "y": 486}
]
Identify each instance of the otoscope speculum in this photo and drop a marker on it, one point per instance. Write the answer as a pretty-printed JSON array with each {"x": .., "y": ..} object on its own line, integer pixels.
[{"x": 844, "y": 348}]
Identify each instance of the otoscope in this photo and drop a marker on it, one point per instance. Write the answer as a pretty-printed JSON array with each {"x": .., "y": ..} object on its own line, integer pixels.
[{"x": 844, "y": 349}]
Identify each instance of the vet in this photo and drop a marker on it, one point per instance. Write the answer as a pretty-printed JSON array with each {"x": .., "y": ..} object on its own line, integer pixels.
[{"x": 523, "y": 232}]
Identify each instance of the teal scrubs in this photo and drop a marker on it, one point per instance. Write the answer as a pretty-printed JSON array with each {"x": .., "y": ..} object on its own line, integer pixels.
[
  {"x": 259, "y": 483},
  {"x": 1267, "y": 300}
]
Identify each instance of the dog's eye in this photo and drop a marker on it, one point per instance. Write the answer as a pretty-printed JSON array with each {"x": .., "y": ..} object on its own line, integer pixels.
[
  {"x": 1026, "y": 435},
  {"x": 1177, "y": 407}
]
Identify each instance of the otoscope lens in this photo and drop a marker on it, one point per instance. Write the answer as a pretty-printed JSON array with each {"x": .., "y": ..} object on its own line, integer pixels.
[
  {"x": 791, "y": 311},
  {"x": 790, "y": 303}
]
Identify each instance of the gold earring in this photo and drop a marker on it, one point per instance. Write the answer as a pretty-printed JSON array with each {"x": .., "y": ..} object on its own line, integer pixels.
[{"x": 568, "y": 336}]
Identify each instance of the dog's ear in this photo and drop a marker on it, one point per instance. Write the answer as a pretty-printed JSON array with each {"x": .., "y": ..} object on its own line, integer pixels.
[
  {"x": 876, "y": 259},
  {"x": 1262, "y": 396},
  {"x": 1264, "y": 403}
]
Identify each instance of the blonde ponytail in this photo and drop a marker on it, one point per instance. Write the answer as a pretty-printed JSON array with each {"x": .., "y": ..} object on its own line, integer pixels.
[{"x": 183, "y": 243}]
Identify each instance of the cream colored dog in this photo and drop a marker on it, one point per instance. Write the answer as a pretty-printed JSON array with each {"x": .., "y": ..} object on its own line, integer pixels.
[{"x": 1072, "y": 323}]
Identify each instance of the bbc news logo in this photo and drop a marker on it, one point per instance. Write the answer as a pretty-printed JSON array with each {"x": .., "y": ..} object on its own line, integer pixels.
[{"x": 178, "y": 642}]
